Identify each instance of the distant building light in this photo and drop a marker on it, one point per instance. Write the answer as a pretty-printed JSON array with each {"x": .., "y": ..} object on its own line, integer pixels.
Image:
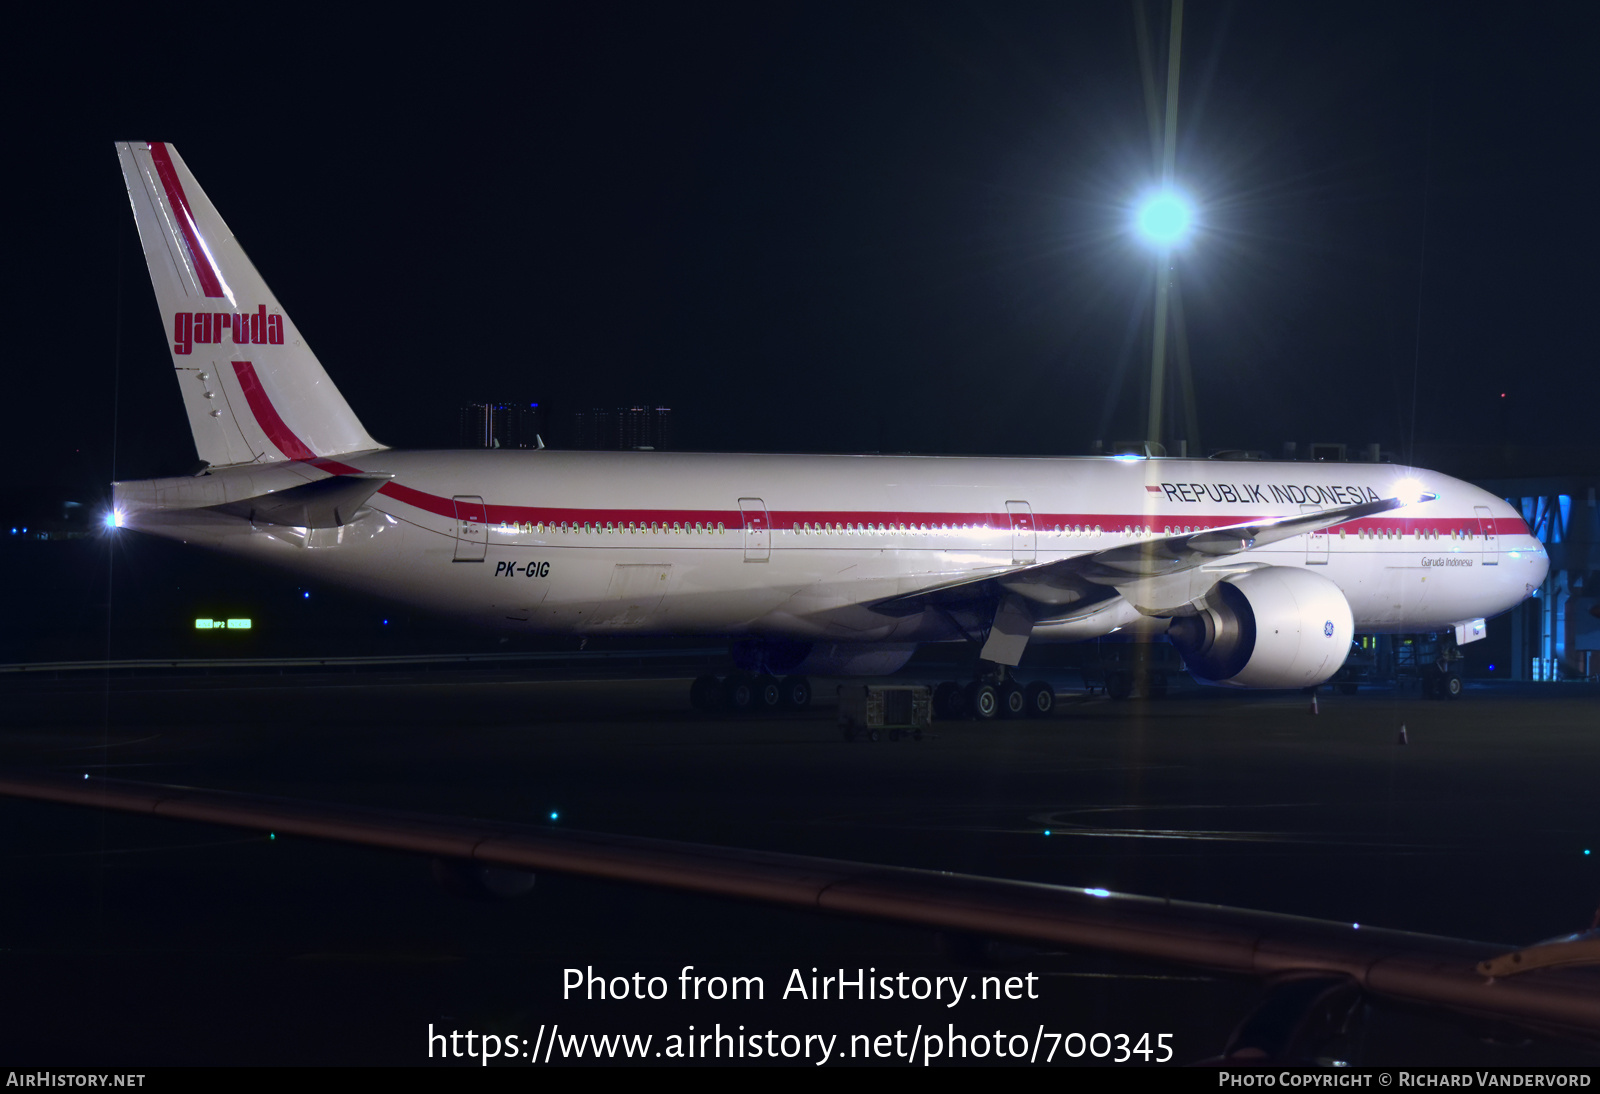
[
  {"x": 501, "y": 425},
  {"x": 222, "y": 624},
  {"x": 623, "y": 428}
]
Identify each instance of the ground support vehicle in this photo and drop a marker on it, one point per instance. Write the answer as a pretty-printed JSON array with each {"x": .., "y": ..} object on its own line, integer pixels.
[{"x": 872, "y": 709}]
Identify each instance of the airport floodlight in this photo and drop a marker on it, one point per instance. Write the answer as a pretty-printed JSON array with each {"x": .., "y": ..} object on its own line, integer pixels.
[{"x": 1165, "y": 219}]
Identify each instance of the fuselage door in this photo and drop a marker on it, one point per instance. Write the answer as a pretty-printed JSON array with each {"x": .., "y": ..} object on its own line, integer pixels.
[
  {"x": 1316, "y": 542},
  {"x": 1024, "y": 536},
  {"x": 472, "y": 528},
  {"x": 1491, "y": 541},
  {"x": 757, "y": 530}
]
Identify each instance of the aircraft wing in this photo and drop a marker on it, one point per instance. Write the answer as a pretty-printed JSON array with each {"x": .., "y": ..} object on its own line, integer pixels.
[
  {"x": 1558, "y": 993},
  {"x": 1066, "y": 587},
  {"x": 1170, "y": 554}
]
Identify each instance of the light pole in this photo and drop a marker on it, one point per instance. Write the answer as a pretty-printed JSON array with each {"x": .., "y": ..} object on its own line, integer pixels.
[{"x": 1164, "y": 220}]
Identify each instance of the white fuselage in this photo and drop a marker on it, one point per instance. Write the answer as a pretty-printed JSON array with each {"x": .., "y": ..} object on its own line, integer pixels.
[{"x": 804, "y": 546}]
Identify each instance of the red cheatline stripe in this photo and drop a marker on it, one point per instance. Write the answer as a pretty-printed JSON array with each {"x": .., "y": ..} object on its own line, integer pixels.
[
  {"x": 267, "y": 414},
  {"x": 1110, "y": 523},
  {"x": 417, "y": 499},
  {"x": 210, "y": 282},
  {"x": 334, "y": 467},
  {"x": 824, "y": 522}
]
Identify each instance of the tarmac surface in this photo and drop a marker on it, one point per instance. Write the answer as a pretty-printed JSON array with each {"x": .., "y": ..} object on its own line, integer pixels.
[{"x": 128, "y": 941}]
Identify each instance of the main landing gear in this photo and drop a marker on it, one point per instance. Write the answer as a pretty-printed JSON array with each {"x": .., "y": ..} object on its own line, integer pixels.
[
  {"x": 993, "y": 695},
  {"x": 1442, "y": 682},
  {"x": 743, "y": 693}
]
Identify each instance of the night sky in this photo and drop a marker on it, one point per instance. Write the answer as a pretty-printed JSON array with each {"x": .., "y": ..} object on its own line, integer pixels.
[{"x": 826, "y": 227}]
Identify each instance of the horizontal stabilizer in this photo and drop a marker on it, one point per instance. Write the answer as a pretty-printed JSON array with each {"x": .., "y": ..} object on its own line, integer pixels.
[{"x": 326, "y": 503}]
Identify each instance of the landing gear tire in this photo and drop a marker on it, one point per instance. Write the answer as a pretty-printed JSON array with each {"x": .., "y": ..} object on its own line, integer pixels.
[
  {"x": 1039, "y": 699},
  {"x": 983, "y": 701},
  {"x": 739, "y": 693},
  {"x": 768, "y": 694},
  {"x": 796, "y": 692},
  {"x": 1119, "y": 685},
  {"x": 1451, "y": 687},
  {"x": 1013, "y": 702}
]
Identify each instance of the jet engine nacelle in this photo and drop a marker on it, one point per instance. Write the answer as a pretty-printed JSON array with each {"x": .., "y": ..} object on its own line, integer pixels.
[{"x": 1275, "y": 627}]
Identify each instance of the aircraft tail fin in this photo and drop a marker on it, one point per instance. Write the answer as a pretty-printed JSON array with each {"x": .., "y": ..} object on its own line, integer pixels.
[{"x": 254, "y": 391}]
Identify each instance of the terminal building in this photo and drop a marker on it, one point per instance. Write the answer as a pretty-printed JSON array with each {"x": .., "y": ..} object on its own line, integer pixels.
[{"x": 1554, "y": 634}]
